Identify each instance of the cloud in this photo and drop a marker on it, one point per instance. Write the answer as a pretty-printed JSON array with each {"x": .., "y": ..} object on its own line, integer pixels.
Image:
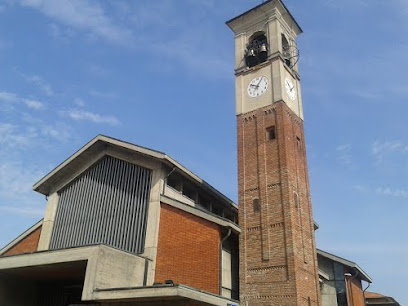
[
  {"x": 83, "y": 15},
  {"x": 10, "y": 99},
  {"x": 40, "y": 83},
  {"x": 79, "y": 102},
  {"x": 64, "y": 35},
  {"x": 160, "y": 31},
  {"x": 16, "y": 179},
  {"x": 8, "y": 96},
  {"x": 82, "y": 115},
  {"x": 344, "y": 156},
  {"x": 380, "y": 149},
  {"x": 11, "y": 137},
  {"x": 397, "y": 193},
  {"x": 60, "y": 131},
  {"x": 190, "y": 52},
  {"x": 34, "y": 104},
  {"x": 366, "y": 95},
  {"x": 360, "y": 188}
]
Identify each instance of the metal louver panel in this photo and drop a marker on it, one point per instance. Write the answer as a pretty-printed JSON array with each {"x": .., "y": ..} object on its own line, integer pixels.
[{"x": 106, "y": 205}]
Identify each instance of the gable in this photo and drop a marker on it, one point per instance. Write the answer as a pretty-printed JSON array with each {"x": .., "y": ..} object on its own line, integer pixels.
[{"x": 107, "y": 204}]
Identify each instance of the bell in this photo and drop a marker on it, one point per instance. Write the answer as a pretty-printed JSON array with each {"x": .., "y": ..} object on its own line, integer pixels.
[
  {"x": 263, "y": 53},
  {"x": 250, "y": 58}
]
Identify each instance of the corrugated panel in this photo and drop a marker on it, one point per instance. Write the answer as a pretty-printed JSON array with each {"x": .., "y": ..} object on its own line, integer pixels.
[{"x": 106, "y": 205}]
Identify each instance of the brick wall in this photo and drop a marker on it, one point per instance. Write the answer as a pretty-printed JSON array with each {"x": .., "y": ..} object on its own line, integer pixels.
[
  {"x": 188, "y": 250},
  {"x": 277, "y": 244},
  {"x": 28, "y": 245}
]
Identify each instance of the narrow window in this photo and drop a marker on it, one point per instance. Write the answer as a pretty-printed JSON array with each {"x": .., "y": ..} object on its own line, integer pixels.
[
  {"x": 298, "y": 143},
  {"x": 190, "y": 192},
  {"x": 217, "y": 210},
  {"x": 174, "y": 183},
  {"x": 271, "y": 133},
  {"x": 295, "y": 196},
  {"x": 257, "y": 205},
  {"x": 286, "y": 51}
]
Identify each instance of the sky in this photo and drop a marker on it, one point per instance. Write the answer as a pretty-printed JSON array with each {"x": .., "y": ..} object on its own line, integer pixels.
[{"x": 161, "y": 74}]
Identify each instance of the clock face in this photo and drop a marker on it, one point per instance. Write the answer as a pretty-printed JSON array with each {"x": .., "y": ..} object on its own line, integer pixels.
[
  {"x": 290, "y": 89},
  {"x": 257, "y": 87}
]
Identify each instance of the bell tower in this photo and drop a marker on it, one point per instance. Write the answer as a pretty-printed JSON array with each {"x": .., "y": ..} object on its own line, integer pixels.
[{"x": 278, "y": 264}]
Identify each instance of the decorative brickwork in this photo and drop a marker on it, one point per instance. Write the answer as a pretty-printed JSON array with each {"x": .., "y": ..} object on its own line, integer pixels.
[
  {"x": 27, "y": 245},
  {"x": 277, "y": 246},
  {"x": 188, "y": 250}
]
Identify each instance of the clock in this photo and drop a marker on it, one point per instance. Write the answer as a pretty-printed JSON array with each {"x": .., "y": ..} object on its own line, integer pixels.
[
  {"x": 290, "y": 89},
  {"x": 257, "y": 87}
]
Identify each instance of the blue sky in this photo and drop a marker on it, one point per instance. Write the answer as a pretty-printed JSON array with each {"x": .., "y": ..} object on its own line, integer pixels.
[{"x": 160, "y": 74}]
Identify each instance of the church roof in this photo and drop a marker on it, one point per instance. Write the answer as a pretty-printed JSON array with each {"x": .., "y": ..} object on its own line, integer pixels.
[
  {"x": 262, "y": 5},
  {"x": 363, "y": 275},
  {"x": 100, "y": 143}
]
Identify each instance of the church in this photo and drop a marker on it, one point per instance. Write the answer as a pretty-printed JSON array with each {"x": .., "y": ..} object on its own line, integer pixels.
[{"x": 128, "y": 225}]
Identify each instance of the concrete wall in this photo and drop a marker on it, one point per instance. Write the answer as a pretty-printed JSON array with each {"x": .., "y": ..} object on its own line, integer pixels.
[
  {"x": 188, "y": 250},
  {"x": 328, "y": 289},
  {"x": 109, "y": 268},
  {"x": 28, "y": 245}
]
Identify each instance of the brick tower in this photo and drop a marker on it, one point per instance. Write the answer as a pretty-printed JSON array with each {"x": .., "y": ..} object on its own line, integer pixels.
[{"x": 278, "y": 264}]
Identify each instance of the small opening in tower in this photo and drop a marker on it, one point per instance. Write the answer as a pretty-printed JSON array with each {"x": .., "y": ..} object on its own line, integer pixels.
[
  {"x": 286, "y": 51},
  {"x": 271, "y": 133},
  {"x": 257, "y": 49},
  {"x": 298, "y": 143},
  {"x": 257, "y": 205},
  {"x": 296, "y": 200}
]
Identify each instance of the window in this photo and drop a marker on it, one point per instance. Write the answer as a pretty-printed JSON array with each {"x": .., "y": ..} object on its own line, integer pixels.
[
  {"x": 256, "y": 205},
  {"x": 217, "y": 210},
  {"x": 174, "y": 182},
  {"x": 296, "y": 200},
  {"x": 204, "y": 202},
  {"x": 257, "y": 49},
  {"x": 286, "y": 51},
  {"x": 271, "y": 134},
  {"x": 189, "y": 192},
  {"x": 298, "y": 143}
]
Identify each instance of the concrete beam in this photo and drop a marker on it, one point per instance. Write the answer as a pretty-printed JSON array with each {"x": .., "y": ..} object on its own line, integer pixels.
[{"x": 162, "y": 293}]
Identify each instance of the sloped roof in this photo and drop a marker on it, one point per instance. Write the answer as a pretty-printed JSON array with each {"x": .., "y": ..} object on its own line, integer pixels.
[
  {"x": 374, "y": 298},
  {"x": 363, "y": 275},
  {"x": 369, "y": 295},
  {"x": 20, "y": 237},
  {"x": 261, "y": 7},
  {"x": 101, "y": 142}
]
